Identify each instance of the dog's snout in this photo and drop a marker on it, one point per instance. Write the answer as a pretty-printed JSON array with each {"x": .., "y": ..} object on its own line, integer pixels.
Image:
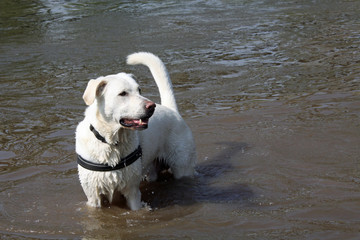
[
  {"x": 150, "y": 108},
  {"x": 150, "y": 105}
]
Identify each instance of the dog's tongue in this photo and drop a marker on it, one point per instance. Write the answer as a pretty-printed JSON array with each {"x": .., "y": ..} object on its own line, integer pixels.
[
  {"x": 135, "y": 122},
  {"x": 140, "y": 122}
]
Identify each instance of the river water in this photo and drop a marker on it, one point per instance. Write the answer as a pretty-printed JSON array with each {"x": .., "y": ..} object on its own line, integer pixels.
[{"x": 270, "y": 89}]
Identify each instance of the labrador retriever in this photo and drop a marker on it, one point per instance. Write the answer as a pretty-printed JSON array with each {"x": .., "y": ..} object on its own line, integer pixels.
[{"x": 123, "y": 134}]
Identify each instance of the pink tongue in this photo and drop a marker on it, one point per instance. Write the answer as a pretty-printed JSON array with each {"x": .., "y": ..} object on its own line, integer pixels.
[{"x": 137, "y": 122}]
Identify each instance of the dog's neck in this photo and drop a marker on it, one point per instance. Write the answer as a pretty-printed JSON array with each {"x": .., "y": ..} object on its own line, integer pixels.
[
  {"x": 113, "y": 133},
  {"x": 107, "y": 130}
]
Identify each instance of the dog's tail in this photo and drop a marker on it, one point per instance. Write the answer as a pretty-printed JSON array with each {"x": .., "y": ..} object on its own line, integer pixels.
[{"x": 160, "y": 74}]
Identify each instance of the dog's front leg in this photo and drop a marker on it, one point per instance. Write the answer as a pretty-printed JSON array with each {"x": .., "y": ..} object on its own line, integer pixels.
[
  {"x": 133, "y": 197},
  {"x": 94, "y": 200}
]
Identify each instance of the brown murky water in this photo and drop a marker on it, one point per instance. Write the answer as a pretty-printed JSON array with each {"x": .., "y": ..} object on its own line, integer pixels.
[{"x": 271, "y": 90}]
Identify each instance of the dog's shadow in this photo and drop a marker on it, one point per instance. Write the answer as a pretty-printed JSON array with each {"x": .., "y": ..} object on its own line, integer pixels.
[{"x": 210, "y": 184}]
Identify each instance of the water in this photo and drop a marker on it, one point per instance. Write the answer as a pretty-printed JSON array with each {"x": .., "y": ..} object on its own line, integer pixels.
[{"x": 269, "y": 88}]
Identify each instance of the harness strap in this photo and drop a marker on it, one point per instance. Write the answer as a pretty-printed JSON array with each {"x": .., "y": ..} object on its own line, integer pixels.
[
  {"x": 124, "y": 162},
  {"x": 97, "y": 134}
]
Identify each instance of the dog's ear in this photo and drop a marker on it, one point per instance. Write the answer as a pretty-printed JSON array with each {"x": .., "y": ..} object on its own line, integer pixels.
[{"x": 94, "y": 89}]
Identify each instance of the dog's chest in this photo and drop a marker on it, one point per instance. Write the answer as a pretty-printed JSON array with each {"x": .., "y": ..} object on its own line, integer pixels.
[{"x": 111, "y": 180}]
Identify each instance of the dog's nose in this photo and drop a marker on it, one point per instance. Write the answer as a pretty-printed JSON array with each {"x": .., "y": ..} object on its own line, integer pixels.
[{"x": 150, "y": 105}]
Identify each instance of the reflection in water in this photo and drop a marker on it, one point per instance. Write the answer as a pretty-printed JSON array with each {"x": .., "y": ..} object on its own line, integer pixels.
[{"x": 281, "y": 77}]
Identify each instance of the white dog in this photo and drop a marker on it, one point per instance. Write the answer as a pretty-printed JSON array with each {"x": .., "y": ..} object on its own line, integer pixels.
[{"x": 113, "y": 155}]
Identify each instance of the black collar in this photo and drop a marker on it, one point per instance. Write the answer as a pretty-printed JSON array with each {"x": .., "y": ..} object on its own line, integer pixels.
[{"x": 124, "y": 162}]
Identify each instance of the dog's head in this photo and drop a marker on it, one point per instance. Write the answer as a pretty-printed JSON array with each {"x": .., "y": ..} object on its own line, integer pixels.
[{"x": 119, "y": 101}]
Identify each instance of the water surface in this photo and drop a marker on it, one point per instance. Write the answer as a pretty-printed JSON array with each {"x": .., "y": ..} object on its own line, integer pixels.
[{"x": 269, "y": 88}]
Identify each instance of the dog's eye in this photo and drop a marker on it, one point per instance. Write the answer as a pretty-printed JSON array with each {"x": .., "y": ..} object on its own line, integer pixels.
[
  {"x": 123, "y": 94},
  {"x": 139, "y": 90}
]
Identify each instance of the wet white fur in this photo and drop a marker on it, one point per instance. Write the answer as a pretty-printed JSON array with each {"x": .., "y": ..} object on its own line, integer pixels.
[{"x": 167, "y": 137}]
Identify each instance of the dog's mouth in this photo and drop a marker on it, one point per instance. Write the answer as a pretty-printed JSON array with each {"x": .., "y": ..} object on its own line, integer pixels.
[
  {"x": 142, "y": 122},
  {"x": 135, "y": 123}
]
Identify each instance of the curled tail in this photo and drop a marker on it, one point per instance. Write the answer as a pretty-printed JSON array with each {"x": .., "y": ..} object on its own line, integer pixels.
[{"x": 160, "y": 74}]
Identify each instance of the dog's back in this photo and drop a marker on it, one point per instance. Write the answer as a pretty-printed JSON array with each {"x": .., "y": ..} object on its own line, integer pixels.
[{"x": 168, "y": 137}]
